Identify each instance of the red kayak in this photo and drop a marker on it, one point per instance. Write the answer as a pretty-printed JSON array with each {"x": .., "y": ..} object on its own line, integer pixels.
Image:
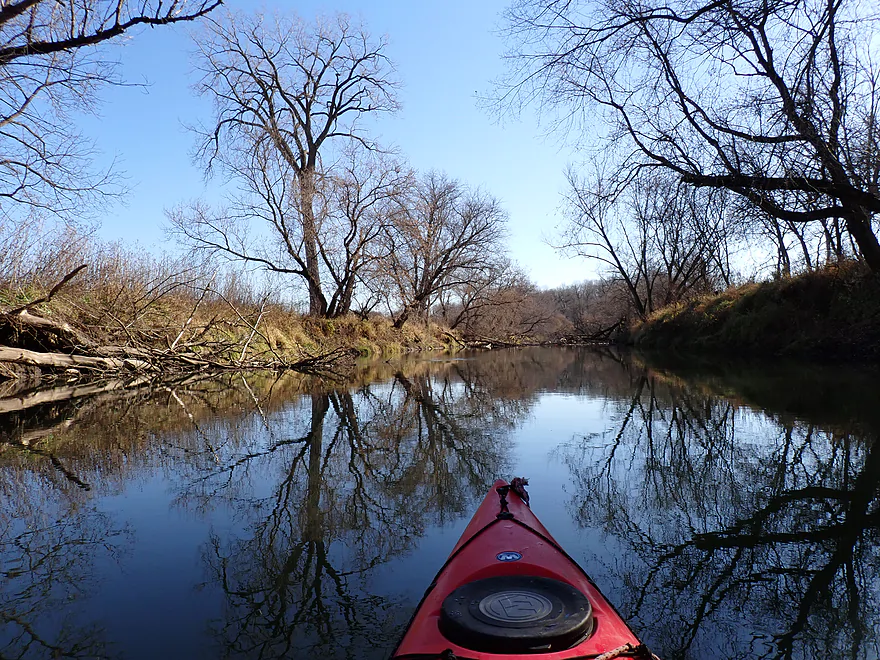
[{"x": 509, "y": 591}]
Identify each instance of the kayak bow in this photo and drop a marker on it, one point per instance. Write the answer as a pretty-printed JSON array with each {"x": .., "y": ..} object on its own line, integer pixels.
[{"x": 508, "y": 591}]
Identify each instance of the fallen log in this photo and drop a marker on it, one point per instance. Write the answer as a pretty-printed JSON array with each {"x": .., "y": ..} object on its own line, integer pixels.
[
  {"x": 455, "y": 339},
  {"x": 63, "y": 361},
  {"x": 605, "y": 333},
  {"x": 35, "y": 332},
  {"x": 322, "y": 363}
]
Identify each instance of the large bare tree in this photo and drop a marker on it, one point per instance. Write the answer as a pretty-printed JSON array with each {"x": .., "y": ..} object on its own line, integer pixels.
[
  {"x": 49, "y": 68},
  {"x": 443, "y": 236},
  {"x": 361, "y": 203},
  {"x": 776, "y": 101},
  {"x": 284, "y": 90},
  {"x": 260, "y": 223}
]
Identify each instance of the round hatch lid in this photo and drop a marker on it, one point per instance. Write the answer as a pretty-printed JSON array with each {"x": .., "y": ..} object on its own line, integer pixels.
[{"x": 516, "y": 614}]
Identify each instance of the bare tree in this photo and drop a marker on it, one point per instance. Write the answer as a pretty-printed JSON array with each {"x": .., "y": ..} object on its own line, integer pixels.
[
  {"x": 777, "y": 102},
  {"x": 443, "y": 236},
  {"x": 49, "y": 69},
  {"x": 663, "y": 242},
  {"x": 591, "y": 306},
  {"x": 500, "y": 303},
  {"x": 462, "y": 305},
  {"x": 259, "y": 225},
  {"x": 283, "y": 91},
  {"x": 361, "y": 203}
]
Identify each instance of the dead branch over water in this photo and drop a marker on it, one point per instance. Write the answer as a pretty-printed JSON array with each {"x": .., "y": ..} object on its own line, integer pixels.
[{"x": 220, "y": 341}]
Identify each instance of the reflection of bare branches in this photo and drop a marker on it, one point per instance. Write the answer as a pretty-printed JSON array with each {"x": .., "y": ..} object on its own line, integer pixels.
[
  {"x": 356, "y": 488},
  {"x": 54, "y": 460},
  {"x": 323, "y": 484},
  {"x": 283, "y": 584},
  {"x": 726, "y": 511},
  {"x": 49, "y": 548}
]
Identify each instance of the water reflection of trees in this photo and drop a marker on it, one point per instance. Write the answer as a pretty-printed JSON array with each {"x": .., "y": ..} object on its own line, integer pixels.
[
  {"x": 329, "y": 488},
  {"x": 745, "y": 534},
  {"x": 61, "y": 450},
  {"x": 311, "y": 487},
  {"x": 51, "y": 539}
]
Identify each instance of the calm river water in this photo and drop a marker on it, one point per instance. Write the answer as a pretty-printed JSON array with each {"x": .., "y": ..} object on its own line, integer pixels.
[{"x": 728, "y": 511}]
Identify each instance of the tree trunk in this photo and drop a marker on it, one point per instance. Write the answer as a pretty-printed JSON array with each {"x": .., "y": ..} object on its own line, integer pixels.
[
  {"x": 36, "y": 333},
  {"x": 859, "y": 227},
  {"x": 314, "y": 527},
  {"x": 805, "y": 250},
  {"x": 783, "y": 262},
  {"x": 63, "y": 361},
  {"x": 829, "y": 243},
  {"x": 400, "y": 320},
  {"x": 317, "y": 300},
  {"x": 838, "y": 240},
  {"x": 420, "y": 310},
  {"x": 340, "y": 303},
  {"x": 347, "y": 296}
]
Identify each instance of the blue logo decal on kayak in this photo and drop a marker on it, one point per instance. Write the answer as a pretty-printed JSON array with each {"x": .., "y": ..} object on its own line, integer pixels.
[{"x": 508, "y": 556}]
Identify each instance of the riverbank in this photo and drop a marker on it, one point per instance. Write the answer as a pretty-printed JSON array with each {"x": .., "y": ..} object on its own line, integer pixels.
[
  {"x": 831, "y": 314},
  {"x": 82, "y": 329}
]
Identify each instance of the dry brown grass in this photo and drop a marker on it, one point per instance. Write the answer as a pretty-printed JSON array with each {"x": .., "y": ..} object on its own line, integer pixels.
[
  {"x": 828, "y": 313},
  {"x": 128, "y": 297}
]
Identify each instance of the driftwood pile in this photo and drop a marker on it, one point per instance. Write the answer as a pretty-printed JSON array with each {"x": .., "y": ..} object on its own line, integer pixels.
[{"x": 31, "y": 345}]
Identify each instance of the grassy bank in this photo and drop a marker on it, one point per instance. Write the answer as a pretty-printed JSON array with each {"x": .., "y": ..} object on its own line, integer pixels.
[
  {"x": 372, "y": 336},
  {"x": 828, "y": 314},
  {"x": 186, "y": 318},
  {"x": 150, "y": 316}
]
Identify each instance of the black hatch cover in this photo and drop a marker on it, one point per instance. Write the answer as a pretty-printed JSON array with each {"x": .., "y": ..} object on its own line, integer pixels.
[{"x": 516, "y": 614}]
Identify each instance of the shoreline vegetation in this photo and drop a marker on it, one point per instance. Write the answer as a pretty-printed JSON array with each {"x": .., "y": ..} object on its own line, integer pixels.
[
  {"x": 133, "y": 322},
  {"x": 74, "y": 309},
  {"x": 826, "y": 314},
  {"x": 162, "y": 322}
]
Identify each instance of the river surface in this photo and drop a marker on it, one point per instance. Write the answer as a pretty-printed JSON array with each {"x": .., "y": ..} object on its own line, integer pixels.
[{"x": 728, "y": 511}]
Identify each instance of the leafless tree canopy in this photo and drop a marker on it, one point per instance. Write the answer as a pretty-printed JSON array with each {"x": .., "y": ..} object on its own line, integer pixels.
[
  {"x": 499, "y": 305},
  {"x": 661, "y": 240},
  {"x": 47, "y": 70},
  {"x": 260, "y": 225},
  {"x": 361, "y": 202},
  {"x": 777, "y": 102},
  {"x": 283, "y": 91},
  {"x": 444, "y": 236}
]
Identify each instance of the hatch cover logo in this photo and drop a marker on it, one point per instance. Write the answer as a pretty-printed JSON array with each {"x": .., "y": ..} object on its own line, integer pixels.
[
  {"x": 508, "y": 556},
  {"x": 516, "y": 606}
]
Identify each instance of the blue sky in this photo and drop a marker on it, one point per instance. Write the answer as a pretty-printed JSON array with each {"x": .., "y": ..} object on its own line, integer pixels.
[{"x": 446, "y": 54}]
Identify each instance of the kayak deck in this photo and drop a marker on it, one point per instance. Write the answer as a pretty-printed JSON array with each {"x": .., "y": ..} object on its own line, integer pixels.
[{"x": 505, "y": 538}]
